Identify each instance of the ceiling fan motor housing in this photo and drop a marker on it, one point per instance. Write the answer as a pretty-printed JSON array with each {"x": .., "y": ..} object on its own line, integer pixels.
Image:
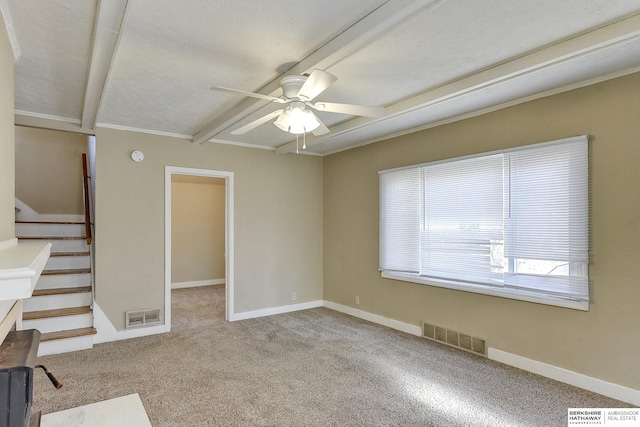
[{"x": 291, "y": 85}]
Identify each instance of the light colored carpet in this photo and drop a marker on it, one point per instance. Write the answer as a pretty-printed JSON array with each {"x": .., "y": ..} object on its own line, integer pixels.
[{"x": 309, "y": 368}]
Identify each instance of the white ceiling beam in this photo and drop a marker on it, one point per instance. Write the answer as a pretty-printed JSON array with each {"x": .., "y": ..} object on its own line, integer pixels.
[
  {"x": 607, "y": 37},
  {"x": 50, "y": 122},
  {"x": 381, "y": 21},
  {"x": 106, "y": 30},
  {"x": 8, "y": 22}
]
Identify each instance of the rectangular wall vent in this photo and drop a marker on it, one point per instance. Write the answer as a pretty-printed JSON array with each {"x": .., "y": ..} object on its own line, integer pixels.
[
  {"x": 455, "y": 339},
  {"x": 139, "y": 318}
]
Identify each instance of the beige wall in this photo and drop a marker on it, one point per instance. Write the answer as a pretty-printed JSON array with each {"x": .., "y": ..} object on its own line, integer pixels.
[
  {"x": 197, "y": 229},
  {"x": 49, "y": 170},
  {"x": 7, "y": 138},
  {"x": 278, "y": 221},
  {"x": 7, "y": 188},
  {"x": 602, "y": 343}
]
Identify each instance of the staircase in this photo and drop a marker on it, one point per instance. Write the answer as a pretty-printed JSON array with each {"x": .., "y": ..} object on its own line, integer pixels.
[{"x": 61, "y": 305}]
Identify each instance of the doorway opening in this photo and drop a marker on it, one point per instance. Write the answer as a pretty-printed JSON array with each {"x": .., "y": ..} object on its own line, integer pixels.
[{"x": 222, "y": 178}]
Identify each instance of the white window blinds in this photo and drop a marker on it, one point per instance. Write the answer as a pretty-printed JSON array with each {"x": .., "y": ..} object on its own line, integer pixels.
[
  {"x": 546, "y": 220},
  {"x": 462, "y": 219},
  {"x": 400, "y": 208},
  {"x": 511, "y": 223}
]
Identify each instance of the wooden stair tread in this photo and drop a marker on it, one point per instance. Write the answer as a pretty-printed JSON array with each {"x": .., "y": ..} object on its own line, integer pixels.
[
  {"x": 55, "y": 254},
  {"x": 50, "y": 238},
  {"x": 61, "y": 291},
  {"x": 59, "y": 312},
  {"x": 69, "y": 333},
  {"x": 69, "y": 271},
  {"x": 50, "y": 222}
]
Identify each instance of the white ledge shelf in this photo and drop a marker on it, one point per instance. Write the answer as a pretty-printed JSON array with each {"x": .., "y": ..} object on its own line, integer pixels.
[{"x": 20, "y": 267}]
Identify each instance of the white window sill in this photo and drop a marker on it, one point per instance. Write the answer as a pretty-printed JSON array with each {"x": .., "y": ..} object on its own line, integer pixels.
[{"x": 497, "y": 292}]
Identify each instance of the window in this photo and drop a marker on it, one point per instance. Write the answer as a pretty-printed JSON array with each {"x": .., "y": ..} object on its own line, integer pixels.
[{"x": 512, "y": 223}]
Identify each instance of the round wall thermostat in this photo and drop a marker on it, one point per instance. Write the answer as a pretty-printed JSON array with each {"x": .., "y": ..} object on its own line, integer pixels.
[{"x": 137, "y": 156}]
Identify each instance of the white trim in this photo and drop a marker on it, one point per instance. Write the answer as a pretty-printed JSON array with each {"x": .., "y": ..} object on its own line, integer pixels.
[
  {"x": 259, "y": 147},
  {"x": 570, "y": 139},
  {"x": 140, "y": 130},
  {"x": 198, "y": 283},
  {"x": 229, "y": 236},
  {"x": 277, "y": 310},
  {"x": 306, "y": 152},
  {"x": 8, "y": 22},
  {"x": 106, "y": 332},
  {"x": 50, "y": 124},
  {"x": 486, "y": 110},
  {"x": 240, "y": 144},
  {"x": 20, "y": 267},
  {"x": 516, "y": 294},
  {"x": 375, "y": 318},
  {"x": 47, "y": 117},
  {"x": 596, "y": 385},
  {"x": 109, "y": 20}
]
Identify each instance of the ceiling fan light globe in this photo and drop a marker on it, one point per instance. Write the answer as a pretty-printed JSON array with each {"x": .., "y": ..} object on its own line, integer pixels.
[
  {"x": 283, "y": 121},
  {"x": 297, "y": 121},
  {"x": 309, "y": 121}
]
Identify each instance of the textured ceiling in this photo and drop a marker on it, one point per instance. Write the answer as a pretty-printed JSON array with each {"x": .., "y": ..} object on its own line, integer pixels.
[{"x": 147, "y": 65}]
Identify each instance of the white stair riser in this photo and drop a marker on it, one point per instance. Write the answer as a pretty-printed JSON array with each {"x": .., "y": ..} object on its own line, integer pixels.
[
  {"x": 65, "y": 345},
  {"x": 67, "y": 262},
  {"x": 52, "y": 302},
  {"x": 45, "y": 230},
  {"x": 69, "y": 245},
  {"x": 63, "y": 281},
  {"x": 62, "y": 323}
]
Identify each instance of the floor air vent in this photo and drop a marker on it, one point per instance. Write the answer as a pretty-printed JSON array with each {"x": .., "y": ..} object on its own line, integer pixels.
[
  {"x": 139, "y": 318},
  {"x": 455, "y": 339}
]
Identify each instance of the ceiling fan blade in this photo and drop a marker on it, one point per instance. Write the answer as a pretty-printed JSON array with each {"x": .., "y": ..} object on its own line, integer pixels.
[
  {"x": 354, "y": 110},
  {"x": 242, "y": 92},
  {"x": 321, "y": 129},
  {"x": 315, "y": 84},
  {"x": 254, "y": 124}
]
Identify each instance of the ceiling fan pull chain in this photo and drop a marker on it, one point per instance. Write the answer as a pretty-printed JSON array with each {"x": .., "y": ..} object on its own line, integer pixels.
[
  {"x": 304, "y": 139},
  {"x": 297, "y": 145}
]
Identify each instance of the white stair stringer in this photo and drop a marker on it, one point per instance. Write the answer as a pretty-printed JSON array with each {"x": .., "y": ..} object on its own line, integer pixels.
[{"x": 61, "y": 305}]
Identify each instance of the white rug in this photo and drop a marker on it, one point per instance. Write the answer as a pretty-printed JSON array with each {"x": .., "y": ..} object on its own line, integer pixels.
[{"x": 125, "y": 411}]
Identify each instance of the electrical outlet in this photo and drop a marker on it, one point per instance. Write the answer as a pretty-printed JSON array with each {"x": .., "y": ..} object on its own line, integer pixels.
[
  {"x": 357, "y": 300},
  {"x": 293, "y": 296}
]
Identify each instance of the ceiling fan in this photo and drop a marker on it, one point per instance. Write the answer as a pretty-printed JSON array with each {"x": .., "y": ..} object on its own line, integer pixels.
[{"x": 298, "y": 92}]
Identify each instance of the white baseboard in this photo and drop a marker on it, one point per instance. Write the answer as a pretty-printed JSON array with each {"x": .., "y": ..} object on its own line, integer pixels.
[
  {"x": 605, "y": 388},
  {"x": 276, "y": 310},
  {"x": 181, "y": 285},
  {"x": 616, "y": 391},
  {"x": 107, "y": 332},
  {"x": 375, "y": 318}
]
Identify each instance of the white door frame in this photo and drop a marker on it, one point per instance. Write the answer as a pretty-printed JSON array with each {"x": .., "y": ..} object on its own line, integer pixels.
[{"x": 228, "y": 240}]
